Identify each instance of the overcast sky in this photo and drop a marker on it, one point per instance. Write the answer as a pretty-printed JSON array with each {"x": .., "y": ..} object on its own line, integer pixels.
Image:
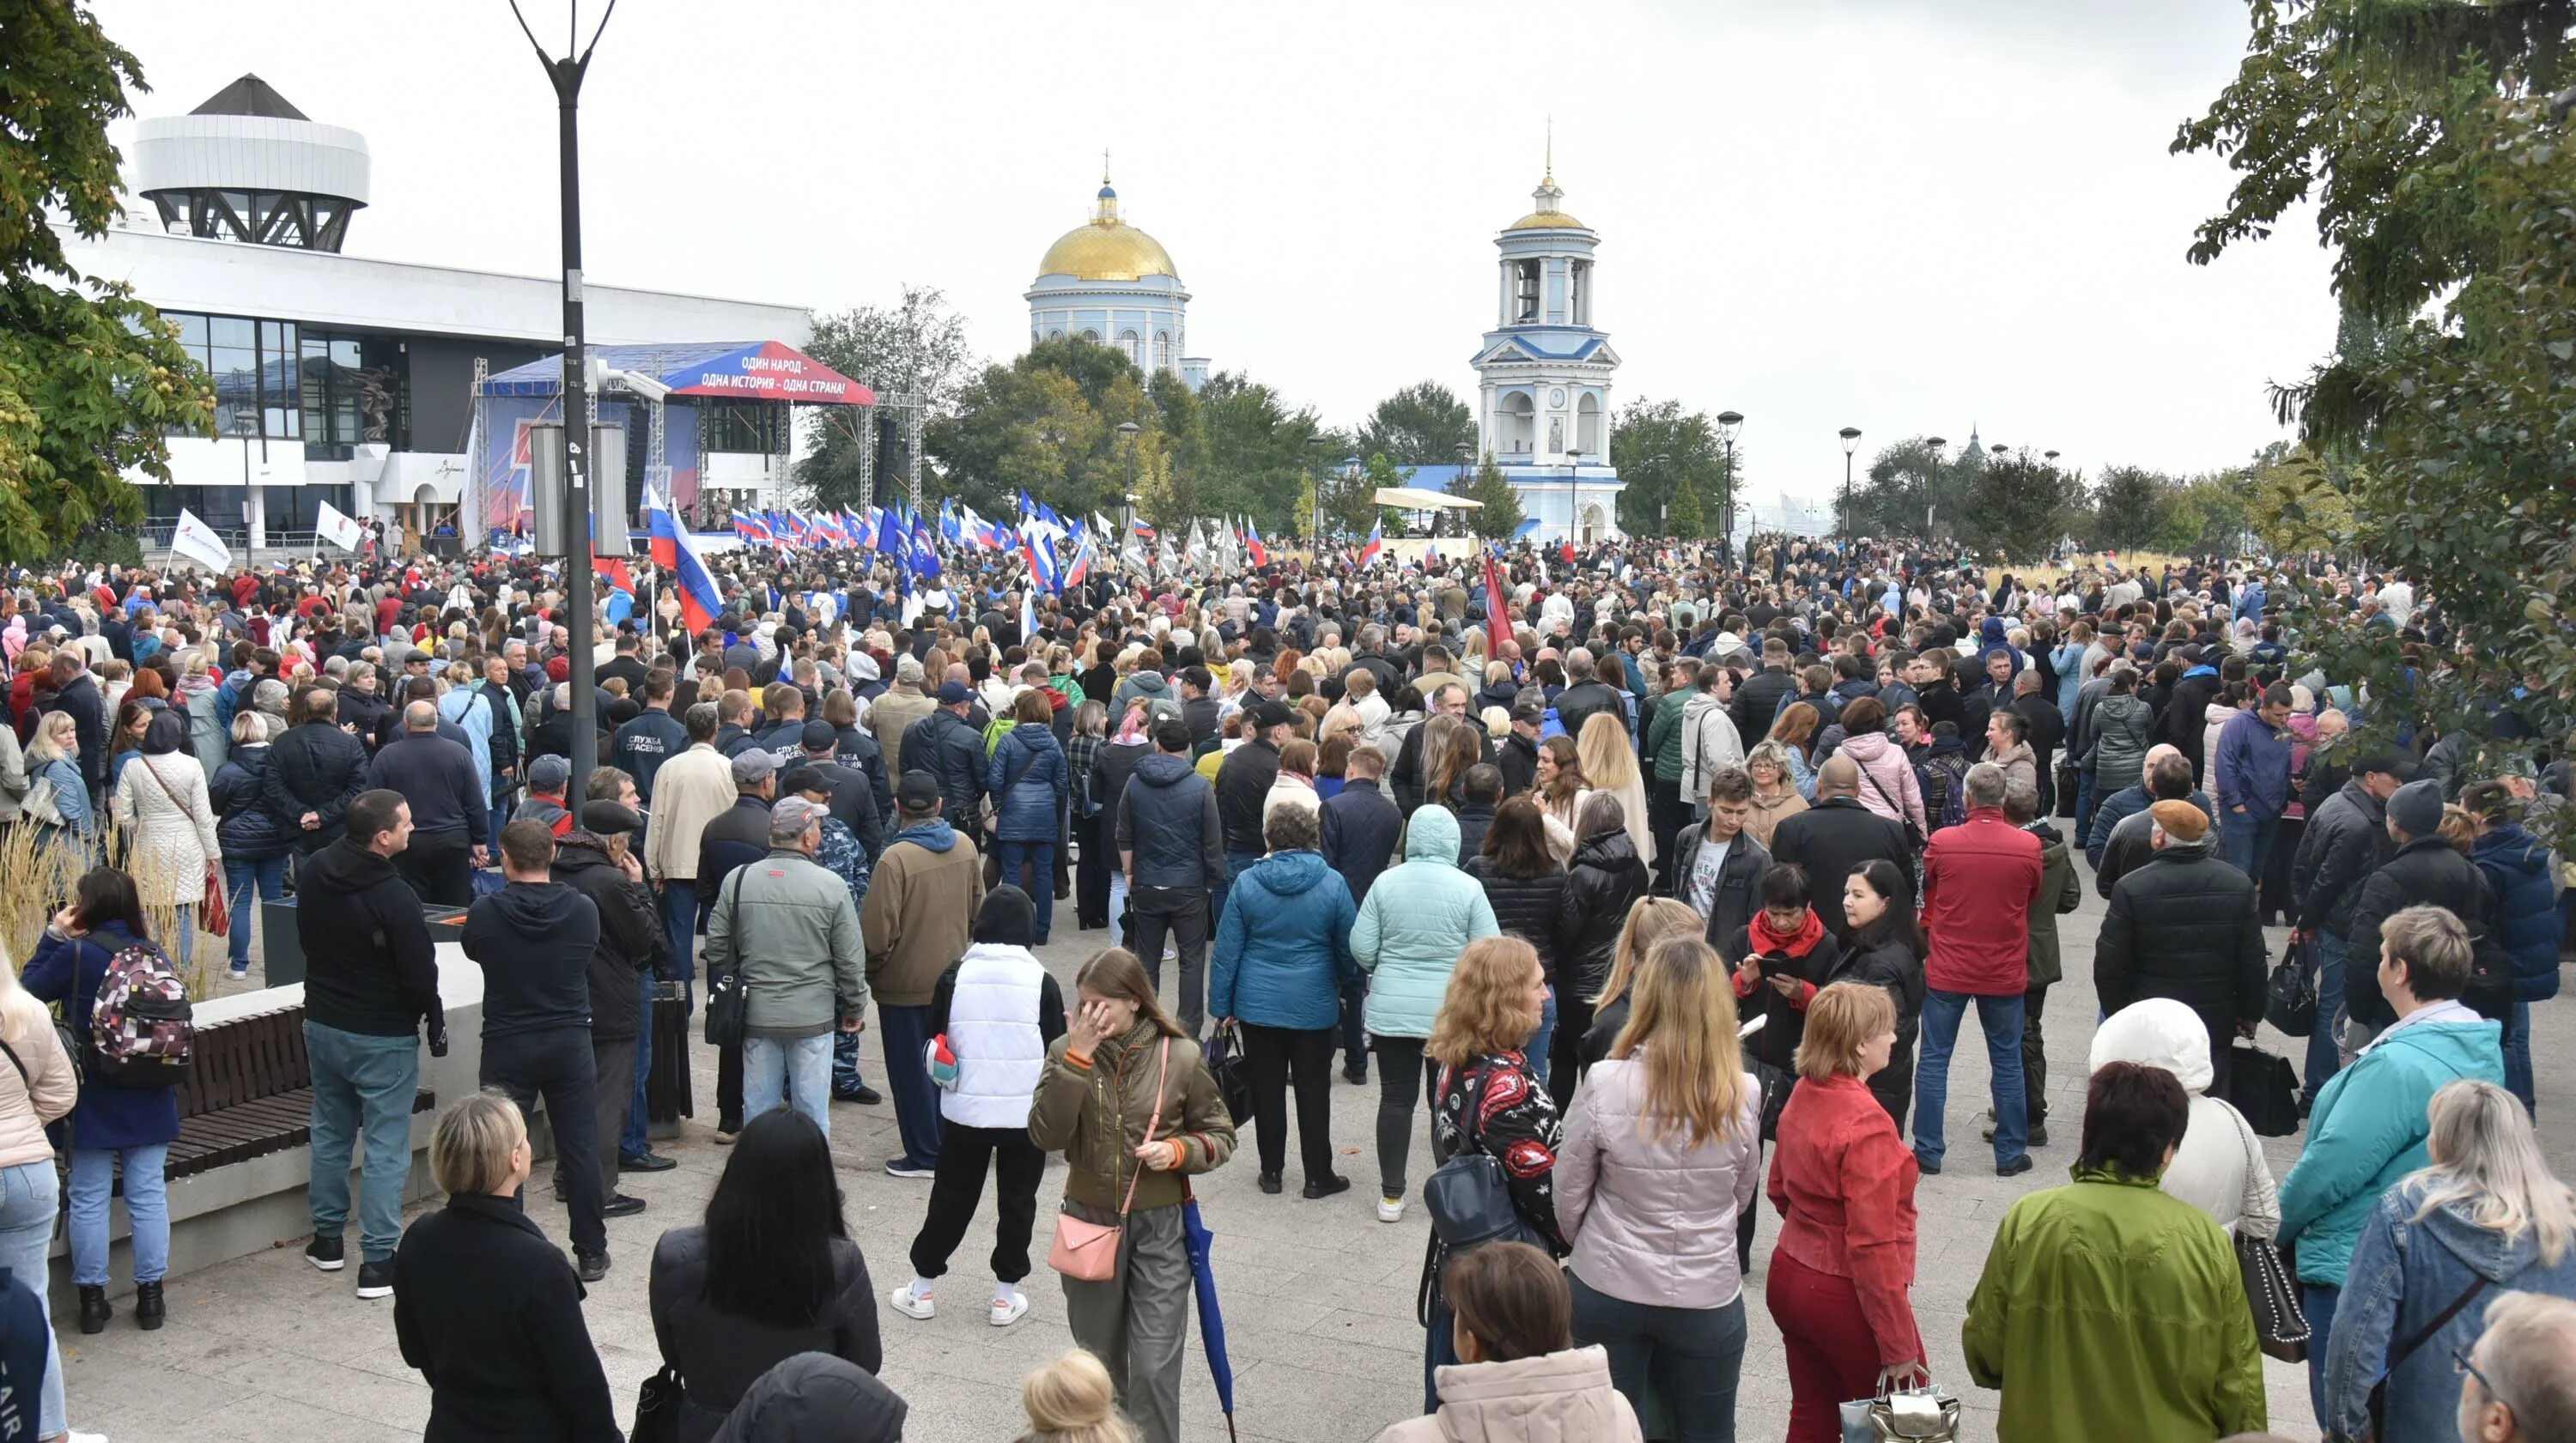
[{"x": 1908, "y": 216}]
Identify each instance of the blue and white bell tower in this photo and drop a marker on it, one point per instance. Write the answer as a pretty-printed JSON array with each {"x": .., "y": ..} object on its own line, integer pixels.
[{"x": 1544, "y": 371}]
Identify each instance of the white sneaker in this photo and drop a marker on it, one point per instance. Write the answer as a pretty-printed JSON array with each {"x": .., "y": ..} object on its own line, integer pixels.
[
  {"x": 903, "y": 1301},
  {"x": 1011, "y": 1310},
  {"x": 77, "y": 1436},
  {"x": 1390, "y": 1209}
]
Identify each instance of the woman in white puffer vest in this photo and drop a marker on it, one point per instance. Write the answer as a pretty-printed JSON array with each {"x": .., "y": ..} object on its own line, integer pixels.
[{"x": 991, "y": 1019}]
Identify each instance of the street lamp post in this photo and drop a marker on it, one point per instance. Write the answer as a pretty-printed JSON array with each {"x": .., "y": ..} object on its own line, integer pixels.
[
  {"x": 1128, "y": 431},
  {"x": 566, "y": 75},
  {"x": 1727, "y": 423},
  {"x": 1851, "y": 442},
  {"x": 1465, "y": 452},
  {"x": 1573, "y": 507},
  {"x": 1664, "y": 505},
  {"x": 1931, "y": 494},
  {"x": 1319, "y": 439}
]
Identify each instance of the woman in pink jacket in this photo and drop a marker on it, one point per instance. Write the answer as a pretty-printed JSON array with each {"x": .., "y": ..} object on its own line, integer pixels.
[
  {"x": 1887, "y": 782},
  {"x": 1661, "y": 1152}
]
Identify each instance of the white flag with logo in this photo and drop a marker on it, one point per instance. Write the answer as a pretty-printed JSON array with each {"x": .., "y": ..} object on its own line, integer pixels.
[
  {"x": 197, "y": 541},
  {"x": 337, "y": 527}
]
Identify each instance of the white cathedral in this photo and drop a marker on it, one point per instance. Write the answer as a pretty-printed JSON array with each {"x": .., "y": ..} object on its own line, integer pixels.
[{"x": 1543, "y": 387}]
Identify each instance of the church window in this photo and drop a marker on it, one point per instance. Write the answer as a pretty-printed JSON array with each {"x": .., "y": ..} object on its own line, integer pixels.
[
  {"x": 1055, "y": 335},
  {"x": 1128, "y": 347},
  {"x": 1162, "y": 350},
  {"x": 1587, "y": 425},
  {"x": 1525, "y": 307},
  {"x": 1582, "y": 293},
  {"x": 1091, "y": 335}
]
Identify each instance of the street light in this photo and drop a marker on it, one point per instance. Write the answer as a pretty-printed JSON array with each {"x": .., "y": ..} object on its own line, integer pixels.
[
  {"x": 1464, "y": 451},
  {"x": 1727, "y": 422},
  {"x": 1851, "y": 442},
  {"x": 1930, "y": 494},
  {"x": 1128, "y": 430},
  {"x": 1573, "y": 462}
]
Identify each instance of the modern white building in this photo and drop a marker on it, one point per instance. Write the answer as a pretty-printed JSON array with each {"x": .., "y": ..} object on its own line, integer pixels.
[
  {"x": 1108, "y": 283},
  {"x": 350, "y": 379},
  {"x": 1543, "y": 388}
]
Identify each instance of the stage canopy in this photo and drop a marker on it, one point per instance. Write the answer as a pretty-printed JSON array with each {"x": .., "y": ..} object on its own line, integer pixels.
[
  {"x": 743, "y": 370},
  {"x": 1414, "y": 498}
]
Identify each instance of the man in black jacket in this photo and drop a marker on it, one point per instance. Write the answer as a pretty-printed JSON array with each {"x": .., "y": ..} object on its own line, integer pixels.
[
  {"x": 1518, "y": 754},
  {"x": 1837, "y": 836},
  {"x": 534, "y": 940},
  {"x": 1757, "y": 702},
  {"x": 1172, "y": 850},
  {"x": 448, "y": 813},
  {"x": 2120, "y": 839},
  {"x": 1359, "y": 827},
  {"x": 734, "y": 838},
  {"x": 853, "y": 799},
  {"x": 1243, "y": 786},
  {"x": 2424, "y": 870},
  {"x": 950, "y": 748},
  {"x": 1411, "y": 775},
  {"x": 314, "y": 772},
  {"x": 598, "y": 861},
  {"x": 2182, "y": 925},
  {"x": 1586, "y": 695},
  {"x": 2344, "y": 842},
  {"x": 76, "y": 692},
  {"x": 651, "y": 738},
  {"x": 371, "y": 977},
  {"x": 1718, "y": 867}
]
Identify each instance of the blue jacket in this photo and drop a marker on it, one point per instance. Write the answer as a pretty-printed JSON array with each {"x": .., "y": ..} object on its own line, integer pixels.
[
  {"x": 68, "y": 971},
  {"x": 2252, "y": 768},
  {"x": 1418, "y": 917},
  {"x": 1028, "y": 808},
  {"x": 2405, "y": 1271},
  {"x": 2517, "y": 867},
  {"x": 242, "y": 823},
  {"x": 1283, "y": 948},
  {"x": 2367, "y": 1130}
]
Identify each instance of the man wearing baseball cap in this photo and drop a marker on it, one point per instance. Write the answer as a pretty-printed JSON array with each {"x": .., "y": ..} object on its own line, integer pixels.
[
  {"x": 2344, "y": 842},
  {"x": 951, "y": 749},
  {"x": 804, "y": 978}
]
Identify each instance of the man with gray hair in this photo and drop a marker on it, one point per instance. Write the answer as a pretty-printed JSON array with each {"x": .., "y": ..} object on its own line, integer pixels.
[
  {"x": 733, "y": 839},
  {"x": 1980, "y": 879},
  {"x": 1586, "y": 694},
  {"x": 448, "y": 810},
  {"x": 2520, "y": 1382},
  {"x": 803, "y": 976}
]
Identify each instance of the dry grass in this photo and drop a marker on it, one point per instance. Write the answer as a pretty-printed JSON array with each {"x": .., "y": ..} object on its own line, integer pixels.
[{"x": 37, "y": 880}]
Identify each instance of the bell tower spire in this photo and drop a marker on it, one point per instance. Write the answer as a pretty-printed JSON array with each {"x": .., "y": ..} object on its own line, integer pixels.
[{"x": 1107, "y": 211}]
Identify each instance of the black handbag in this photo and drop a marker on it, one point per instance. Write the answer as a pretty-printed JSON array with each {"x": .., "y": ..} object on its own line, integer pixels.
[
  {"x": 2265, "y": 1087},
  {"x": 728, "y": 1006},
  {"x": 1470, "y": 1204},
  {"x": 2067, "y": 785},
  {"x": 657, "y": 1408},
  {"x": 2271, "y": 1290},
  {"x": 1777, "y": 1083},
  {"x": 1224, "y": 1058},
  {"x": 2290, "y": 996}
]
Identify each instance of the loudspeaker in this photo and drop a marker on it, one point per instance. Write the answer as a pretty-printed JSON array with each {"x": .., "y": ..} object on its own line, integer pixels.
[{"x": 609, "y": 512}]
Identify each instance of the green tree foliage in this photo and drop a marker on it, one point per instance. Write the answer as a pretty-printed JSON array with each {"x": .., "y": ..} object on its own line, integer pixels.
[
  {"x": 1421, "y": 425},
  {"x": 2444, "y": 182},
  {"x": 2208, "y": 516},
  {"x": 1682, "y": 514},
  {"x": 2017, "y": 508},
  {"x": 92, "y": 381},
  {"x": 916, "y": 347},
  {"x": 1909, "y": 487},
  {"x": 2132, "y": 509},
  {"x": 1502, "y": 514},
  {"x": 2297, "y": 502},
  {"x": 1260, "y": 454},
  {"x": 1694, "y": 459},
  {"x": 1349, "y": 506},
  {"x": 1047, "y": 423}
]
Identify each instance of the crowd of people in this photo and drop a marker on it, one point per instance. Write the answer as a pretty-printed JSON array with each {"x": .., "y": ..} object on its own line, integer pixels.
[{"x": 1661, "y": 875}]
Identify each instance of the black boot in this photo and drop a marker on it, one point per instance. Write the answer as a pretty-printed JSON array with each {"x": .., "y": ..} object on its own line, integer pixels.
[
  {"x": 94, "y": 1311},
  {"x": 149, "y": 1310}
]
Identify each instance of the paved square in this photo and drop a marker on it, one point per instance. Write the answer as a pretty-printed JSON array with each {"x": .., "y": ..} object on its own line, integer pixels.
[{"x": 1319, "y": 1296}]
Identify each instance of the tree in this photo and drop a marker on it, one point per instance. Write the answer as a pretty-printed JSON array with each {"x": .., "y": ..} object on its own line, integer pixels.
[
  {"x": 2017, "y": 508},
  {"x": 1501, "y": 516},
  {"x": 1260, "y": 455},
  {"x": 1421, "y": 425},
  {"x": 916, "y": 347},
  {"x": 2443, "y": 177},
  {"x": 1682, "y": 514},
  {"x": 1910, "y": 489},
  {"x": 1047, "y": 424},
  {"x": 1349, "y": 499},
  {"x": 2132, "y": 509},
  {"x": 2298, "y": 503},
  {"x": 1660, "y": 449},
  {"x": 92, "y": 381}
]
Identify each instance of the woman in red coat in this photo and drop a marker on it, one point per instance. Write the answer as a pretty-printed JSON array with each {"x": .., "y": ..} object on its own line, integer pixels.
[{"x": 1844, "y": 1184}]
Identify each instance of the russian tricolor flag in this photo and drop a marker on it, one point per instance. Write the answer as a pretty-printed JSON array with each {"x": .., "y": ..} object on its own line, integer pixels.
[
  {"x": 1141, "y": 529},
  {"x": 675, "y": 550},
  {"x": 1080, "y": 568},
  {"x": 1252, "y": 543},
  {"x": 1376, "y": 542}
]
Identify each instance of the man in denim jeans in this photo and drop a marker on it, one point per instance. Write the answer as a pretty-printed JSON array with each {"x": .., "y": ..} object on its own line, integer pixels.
[
  {"x": 371, "y": 977},
  {"x": 1979, "y": 881},
  {"x": 787, "y": 925}
]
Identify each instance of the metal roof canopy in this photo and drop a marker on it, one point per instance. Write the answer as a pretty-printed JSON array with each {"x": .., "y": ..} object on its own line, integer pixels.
[{"x": 1414, "y": 498}]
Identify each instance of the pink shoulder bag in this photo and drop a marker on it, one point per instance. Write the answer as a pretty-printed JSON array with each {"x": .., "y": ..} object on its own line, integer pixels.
[{"x": 1089, "y": 1250}]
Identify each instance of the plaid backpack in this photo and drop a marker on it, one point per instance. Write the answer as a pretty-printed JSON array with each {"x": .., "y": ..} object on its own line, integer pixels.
[{"x": 142, "y": 1031}]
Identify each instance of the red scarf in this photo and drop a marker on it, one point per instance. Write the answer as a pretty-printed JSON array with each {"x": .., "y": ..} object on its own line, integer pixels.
[{"x": 1796, "y": 944}]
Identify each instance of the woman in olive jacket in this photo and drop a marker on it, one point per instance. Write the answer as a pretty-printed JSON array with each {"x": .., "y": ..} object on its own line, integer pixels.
[{"x": 1127, "y": 1099}]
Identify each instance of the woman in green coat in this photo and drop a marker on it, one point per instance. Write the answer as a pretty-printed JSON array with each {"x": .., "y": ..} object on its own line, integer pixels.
[{"x": 2108, "y": 1308}]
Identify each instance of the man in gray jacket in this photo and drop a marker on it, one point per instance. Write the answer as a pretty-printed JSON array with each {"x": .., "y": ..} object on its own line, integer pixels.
[
  {"x": 787, "y": 924},
  {"x": 1173, "y": 850}
]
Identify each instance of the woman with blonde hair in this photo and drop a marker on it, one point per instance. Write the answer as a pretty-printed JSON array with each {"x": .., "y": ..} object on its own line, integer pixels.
[
  {"x": 1610, "y": 765},
  {"x": 34, "y": 1093},
  {"x": 484, "y": 1306},
  {"x": 1070, "y": 1401},
  {"x": 1484, "y": 1096},
  {"x": 1295, "y": 784},
  {"x": 1843, "y": 1183},
  {"x": 1662, "y": 1150},
  {"x": 1126, "y": 1097},
  {"x": 162, "y": 802},
  {"x": 1775, "y": 790},
  {"x": 1650, "y": 920},
  {"x": 2488, "y": 1217},
  {"x": 57, "y": 791}
]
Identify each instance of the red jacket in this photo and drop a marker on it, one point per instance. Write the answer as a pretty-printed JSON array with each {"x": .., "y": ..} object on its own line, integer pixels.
[
  {"x": 1844, "y": 1182},
  {"x": 1979, "y": 880}
]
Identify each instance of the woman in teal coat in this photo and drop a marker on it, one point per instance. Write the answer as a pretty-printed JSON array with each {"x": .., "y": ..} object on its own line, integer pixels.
[
  {"x": 1283, "y": 953},
  {"x": 1418, "y": 917}
]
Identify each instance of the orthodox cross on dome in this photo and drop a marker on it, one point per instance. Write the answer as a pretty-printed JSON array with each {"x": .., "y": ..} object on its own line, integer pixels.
[
  {"x": 1107, "y": 213},
  {"x": 1549, "y": 192}
]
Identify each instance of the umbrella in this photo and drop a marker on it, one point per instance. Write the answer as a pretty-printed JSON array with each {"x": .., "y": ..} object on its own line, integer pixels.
[{"x": 1211, "y": 1319}]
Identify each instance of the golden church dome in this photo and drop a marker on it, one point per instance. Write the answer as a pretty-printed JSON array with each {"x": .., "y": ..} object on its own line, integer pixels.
[
  {"x": 1107, "y": 249},
  {"x": 1547, "y": 216}
]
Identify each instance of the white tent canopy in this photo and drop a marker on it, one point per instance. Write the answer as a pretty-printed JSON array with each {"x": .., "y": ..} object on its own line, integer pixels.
[{"x": 1414, "y": 498}]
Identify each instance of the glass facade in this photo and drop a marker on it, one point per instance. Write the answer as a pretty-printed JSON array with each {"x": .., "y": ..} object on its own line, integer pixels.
[{"x": 253, "y": 367}]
